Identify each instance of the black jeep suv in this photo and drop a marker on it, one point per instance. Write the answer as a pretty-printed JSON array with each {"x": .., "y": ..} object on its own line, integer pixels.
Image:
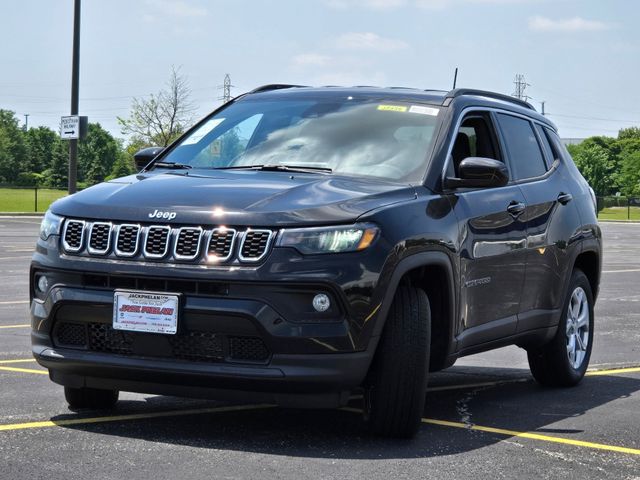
[{"x": 300, "y": 244}]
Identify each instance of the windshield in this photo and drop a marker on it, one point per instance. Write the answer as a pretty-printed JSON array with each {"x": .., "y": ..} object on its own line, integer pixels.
[{"x": 339, "y": 135}]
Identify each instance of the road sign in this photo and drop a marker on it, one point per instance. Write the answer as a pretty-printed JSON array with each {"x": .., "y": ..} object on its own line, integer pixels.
[
  {"x": 73, "y": 127},
  {"x": 70, "y": 127}
]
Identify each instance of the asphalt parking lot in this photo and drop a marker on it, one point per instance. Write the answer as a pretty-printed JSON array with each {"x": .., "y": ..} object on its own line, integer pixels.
[{"x": 484, "y": 418}]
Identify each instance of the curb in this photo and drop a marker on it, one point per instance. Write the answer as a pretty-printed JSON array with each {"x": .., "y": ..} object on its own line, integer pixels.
[{"x": 21, "y": 214}]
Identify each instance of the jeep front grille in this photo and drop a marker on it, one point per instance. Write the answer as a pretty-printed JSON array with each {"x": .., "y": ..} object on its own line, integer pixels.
[
  {"x": 221, "y": 244},
  {"x": 188, "y": 243},
  {"x": 100, "y": 238},
  {"x": 73, "y": 235},
  {"x": 157, "y": 243},
  {"x": 255, "y": 245},
  {"x": 193, "y": 244},
  {"x": 194, "y": 346},
  {"x": 127, "y": 241}
]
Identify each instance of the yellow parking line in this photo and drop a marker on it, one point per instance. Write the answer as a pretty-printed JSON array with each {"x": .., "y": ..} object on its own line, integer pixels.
[
  {"x": 15, "y": 302},
  {"x": 533, "y": 436},
  {"x": 24, "y": 370},
  {"x": 15, "y": 326},
  {"x": 476, "y": 385},
  {"x": 19, "y": 360},
  {"x": 613, "y": 371},
  {"x": 529, "y": 435},
  {"x": 133, "y": 416}
]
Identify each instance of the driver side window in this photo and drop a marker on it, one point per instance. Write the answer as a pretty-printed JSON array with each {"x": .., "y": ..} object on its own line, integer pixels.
[{"x": 476, "y": 137}]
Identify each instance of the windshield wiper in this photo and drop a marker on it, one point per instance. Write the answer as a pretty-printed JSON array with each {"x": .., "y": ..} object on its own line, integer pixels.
[
  {"x": 171, "y": 165},
  {"x": 279, "y": 168}
]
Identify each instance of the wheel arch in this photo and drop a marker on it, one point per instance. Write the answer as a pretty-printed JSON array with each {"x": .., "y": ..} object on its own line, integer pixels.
[
  {"x": 433, "y": 272},
  {"x": 589, "y": 262}
]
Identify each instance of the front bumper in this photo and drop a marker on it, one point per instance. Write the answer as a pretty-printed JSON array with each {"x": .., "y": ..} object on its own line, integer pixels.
[
  {"x": 311, "y": 381},
  {"x": 306, "y": 364}
]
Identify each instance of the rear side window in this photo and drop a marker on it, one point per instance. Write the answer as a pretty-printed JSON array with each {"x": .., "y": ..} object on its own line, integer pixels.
[
  {"x": 522, "y": 147},
  {"x": 546, "y": 146}
]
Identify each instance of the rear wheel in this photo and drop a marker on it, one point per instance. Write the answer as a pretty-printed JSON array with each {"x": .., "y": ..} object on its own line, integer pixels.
[
  {"x": 564, "y": 360},
  {"x": 396, "y": 385},
  {"x": 90, "y": 397}
]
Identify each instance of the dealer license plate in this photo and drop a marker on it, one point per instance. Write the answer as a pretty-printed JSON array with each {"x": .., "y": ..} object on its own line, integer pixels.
[{"x": 145, "y": 312}]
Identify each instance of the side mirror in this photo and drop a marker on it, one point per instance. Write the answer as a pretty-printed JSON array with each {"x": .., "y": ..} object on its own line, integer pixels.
[
  {"x": 144, "y": 156},
  {"x": 479, "y": 172}
]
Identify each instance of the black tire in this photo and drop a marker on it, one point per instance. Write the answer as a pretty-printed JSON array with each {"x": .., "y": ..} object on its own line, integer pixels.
[
  {"x": 397, "y": 381},
  {"x": 90, "y": 398},
  {"x": 551, "y": 364}
]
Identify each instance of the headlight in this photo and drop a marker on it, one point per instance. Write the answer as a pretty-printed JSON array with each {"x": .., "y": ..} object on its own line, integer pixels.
[
  {"x": 50, "y": 225},
  {"x": 329, "y": 239}
]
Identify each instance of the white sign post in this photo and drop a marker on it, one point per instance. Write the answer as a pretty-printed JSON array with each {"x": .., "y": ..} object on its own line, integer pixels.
[{"x": 70, "y": 127}]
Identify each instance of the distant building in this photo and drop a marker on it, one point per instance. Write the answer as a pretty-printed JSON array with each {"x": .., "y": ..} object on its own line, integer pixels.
[{"x": 572, "y": 141}]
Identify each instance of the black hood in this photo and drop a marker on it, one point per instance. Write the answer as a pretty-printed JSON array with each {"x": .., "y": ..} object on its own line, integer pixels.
[{"x": 252, "y": 198}]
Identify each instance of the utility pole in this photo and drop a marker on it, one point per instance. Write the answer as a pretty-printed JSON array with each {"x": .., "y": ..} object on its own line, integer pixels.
[
  {"x": 521, "y": 86},
  {"x": 75, "y": 78},
  {"x": 26, "y": 122},
  {"x": 226, "y": 89},
  {"x": 542, "y": 106}
]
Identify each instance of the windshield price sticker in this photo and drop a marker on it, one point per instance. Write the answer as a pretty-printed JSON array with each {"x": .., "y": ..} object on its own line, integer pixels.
[{"x": 145, "y": 312}]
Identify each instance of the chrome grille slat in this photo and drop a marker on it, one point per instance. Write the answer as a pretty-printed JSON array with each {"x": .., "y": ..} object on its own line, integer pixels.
[
  {"x": 100, "y": 238},
  {"x": 221, "y": 243},
  {"x": 73, "y": 235},
  {"x": 127, "y": 240},
  {"x": 156, "y": 244},
  {"x": 216, "y": 244},
  {"x": 187, "y": 245},
  {"x": 255, "y": 245}
]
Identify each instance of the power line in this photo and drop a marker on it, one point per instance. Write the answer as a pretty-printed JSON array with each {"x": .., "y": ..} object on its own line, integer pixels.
[{"x": 635, "y": 122}]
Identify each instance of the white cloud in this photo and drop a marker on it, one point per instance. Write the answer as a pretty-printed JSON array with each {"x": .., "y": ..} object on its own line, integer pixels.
[
  {"x": 176, "y": 8},
  {"x": 311, "y": 60},
  {"x": 575, "y": 24},
  {"x": 368, "y": 41}
]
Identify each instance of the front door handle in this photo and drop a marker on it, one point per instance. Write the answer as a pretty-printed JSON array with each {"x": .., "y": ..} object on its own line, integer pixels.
[
  {"x": 564, "y": 198},
  {"x": 516, "y": 208}
]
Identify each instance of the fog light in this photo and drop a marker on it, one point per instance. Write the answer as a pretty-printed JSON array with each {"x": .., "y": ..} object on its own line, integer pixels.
[
  {"x": 321, "y": 302},
  {"x": 43, "y": 284}
]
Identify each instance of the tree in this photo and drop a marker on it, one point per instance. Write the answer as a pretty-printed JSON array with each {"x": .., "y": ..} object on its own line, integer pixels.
[
  {"x": 56, "y": 175},
  {"x": 162, "y": 117},
  {"x": 596, "y": 167},
  {"x": 12, "y": 149},
  {"x": 122, "y": 167},
  {"x": 40, "y": 144},
  {"x": 629, "y": 133},
  {"x": 96, "y": 155}
]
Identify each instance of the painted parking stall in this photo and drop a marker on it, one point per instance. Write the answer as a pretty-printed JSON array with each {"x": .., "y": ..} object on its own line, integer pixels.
[{"x": 485, "y": 415}]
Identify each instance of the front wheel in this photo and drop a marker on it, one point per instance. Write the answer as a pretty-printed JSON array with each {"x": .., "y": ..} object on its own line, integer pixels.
[
  {"x": 397, "y": 381},
  {"x": 564, "y": 360}
]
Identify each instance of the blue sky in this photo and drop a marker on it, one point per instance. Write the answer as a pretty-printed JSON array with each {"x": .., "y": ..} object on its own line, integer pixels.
[{"x": 580, "y": 56}]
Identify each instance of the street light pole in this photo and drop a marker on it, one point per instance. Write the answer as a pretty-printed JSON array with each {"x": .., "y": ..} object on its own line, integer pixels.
[{"x": 75, "y": 78}]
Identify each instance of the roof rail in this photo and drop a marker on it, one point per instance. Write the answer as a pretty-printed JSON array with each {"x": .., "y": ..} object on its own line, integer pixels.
[
  {"x": 483, "y": 93},
  {"x": 274, "y": 86}
]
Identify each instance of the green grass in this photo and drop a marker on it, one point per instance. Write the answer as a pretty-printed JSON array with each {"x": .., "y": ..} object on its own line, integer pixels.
[
  {"x": 619, "y": 213},
  {"x": 23, "y": 199}
]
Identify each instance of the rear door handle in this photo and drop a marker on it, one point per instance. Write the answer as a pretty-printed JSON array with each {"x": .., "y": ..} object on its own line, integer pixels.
[
  {"x": 516, "y": 208},
  {"x": 564, "y": 198}
]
